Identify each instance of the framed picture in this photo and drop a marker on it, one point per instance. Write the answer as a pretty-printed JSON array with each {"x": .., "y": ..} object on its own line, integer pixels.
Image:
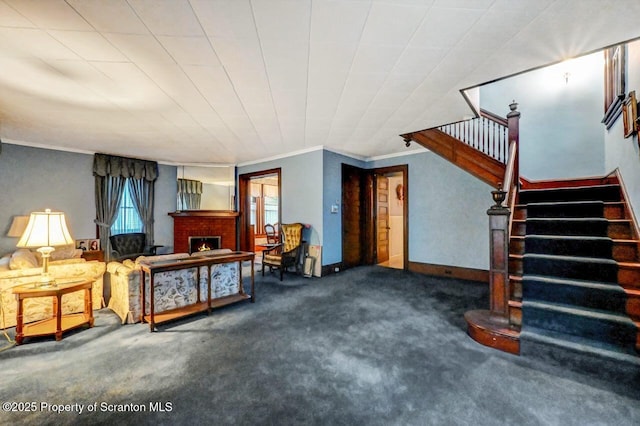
[
  {"x": 630, "y": 115},
  {"x": 93, "y": 244},
  {"x": 82, "y": 244}
]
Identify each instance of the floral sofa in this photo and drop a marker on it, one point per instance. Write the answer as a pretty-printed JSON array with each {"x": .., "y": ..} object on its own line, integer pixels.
[
  {"x": 173, "y": 289},
  {"x": 24, "y": 267}
]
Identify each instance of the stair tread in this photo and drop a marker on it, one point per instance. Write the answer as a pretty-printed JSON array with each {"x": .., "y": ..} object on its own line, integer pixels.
[
  {"x": 569, "y": 203},
  {"x": 581, "y": 344},
  {"x": 571, "y": 219},
  {"x": 579, "y": 283},
  {"x": 581, "y": 311},
  {"x": 603, "y": 261},
  {"x": 568, "y": 237}
]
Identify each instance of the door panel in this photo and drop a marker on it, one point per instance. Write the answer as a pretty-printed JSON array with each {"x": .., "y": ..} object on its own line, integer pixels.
[
  {"x": 351, "y": 216},
  {"x": 382, "y": 218}
]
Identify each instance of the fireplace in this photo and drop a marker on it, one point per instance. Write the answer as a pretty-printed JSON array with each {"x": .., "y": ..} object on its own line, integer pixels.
[{"x": 203, "y": 243}]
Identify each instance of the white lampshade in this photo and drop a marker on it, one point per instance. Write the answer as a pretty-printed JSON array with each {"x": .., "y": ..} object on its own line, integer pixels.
[
  {"x": 46, "y": 229},
  {"x": 18, "y": 225}
]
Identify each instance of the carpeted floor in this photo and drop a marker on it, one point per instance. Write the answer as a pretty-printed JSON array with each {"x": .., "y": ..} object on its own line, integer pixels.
[{"x": 368, "y": 346}]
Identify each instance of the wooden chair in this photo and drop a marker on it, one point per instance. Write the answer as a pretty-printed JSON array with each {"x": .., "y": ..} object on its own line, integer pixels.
[
  {"x": 270, "y": 232},
  {"x": 287, "y": 253}
]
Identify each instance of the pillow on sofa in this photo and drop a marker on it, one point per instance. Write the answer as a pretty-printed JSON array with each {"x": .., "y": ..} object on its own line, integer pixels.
[
  {"x": 66, "y": 252},
  {"x": 23, "y": 259},
  {"x": 4, "y": 263}
]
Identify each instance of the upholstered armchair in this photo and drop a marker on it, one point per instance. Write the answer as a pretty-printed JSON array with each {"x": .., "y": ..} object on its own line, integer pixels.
[
  {"x": 130, "y": 246},
  {"x": 287, "y": 253}
]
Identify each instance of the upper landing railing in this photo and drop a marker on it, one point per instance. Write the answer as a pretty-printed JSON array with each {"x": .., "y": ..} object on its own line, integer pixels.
[{"x": 487, "y": 133}]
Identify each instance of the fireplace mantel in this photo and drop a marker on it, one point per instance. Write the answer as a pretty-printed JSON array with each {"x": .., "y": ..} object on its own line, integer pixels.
[{"x": 188, "y": 223}]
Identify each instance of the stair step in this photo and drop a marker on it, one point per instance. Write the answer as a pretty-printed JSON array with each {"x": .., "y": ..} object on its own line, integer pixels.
[
  {"x": 566, "y": 209},
  {"x": 586, "y": 294},
  {"x": 572, "y": 267},
  {"x": 610, "y": 192},
  {"x": 582, "y": 246},
  {"x": 607, "y": 327},
  {"x": 605, "y": 361},
  {"x": 568, "y": 226}
]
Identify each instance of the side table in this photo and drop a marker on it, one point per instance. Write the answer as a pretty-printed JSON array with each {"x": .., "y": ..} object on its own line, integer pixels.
[
  {"x": 93, "y": 255},
  {"x": 59, "y": 323}
]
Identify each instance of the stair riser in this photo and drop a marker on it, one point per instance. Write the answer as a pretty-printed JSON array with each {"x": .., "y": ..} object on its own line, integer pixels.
[
  {"x": 572, "y": 247},
  {"x": 612, "y": 299},
  {"x": 569, "y": 269},
  {"x": 620, "y": 230},
  {"x": 567, "y": 228},
  {"x": 565, "y": 210},
  {"x": 629, "y": 277},
  {"x": 587, "y": 327},
  {"x": 600, "y": 193},
  {"x": 623, "y": 252}
]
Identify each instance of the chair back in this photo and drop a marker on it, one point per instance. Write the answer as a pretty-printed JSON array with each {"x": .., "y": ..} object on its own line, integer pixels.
[
  {"x": 291, "y": 236},
  {"x": 126, "y": 244},
  {"x": 270, "y": 232}
]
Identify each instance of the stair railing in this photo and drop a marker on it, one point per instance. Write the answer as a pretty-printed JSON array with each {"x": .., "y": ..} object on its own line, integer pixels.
[{"x": 487, "y": 133}]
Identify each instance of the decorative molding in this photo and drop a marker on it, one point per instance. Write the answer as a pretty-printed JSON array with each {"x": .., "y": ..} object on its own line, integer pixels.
[{"x": 458, "y": 272}]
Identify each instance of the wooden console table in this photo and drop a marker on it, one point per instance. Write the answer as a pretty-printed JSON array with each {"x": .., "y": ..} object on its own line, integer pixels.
[
  {"x": 150, "y": 269},
  {"x": 59, "y": 323}
]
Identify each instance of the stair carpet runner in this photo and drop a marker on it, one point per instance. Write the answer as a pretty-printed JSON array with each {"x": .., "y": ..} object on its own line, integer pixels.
[{"x": 570, "y": 296}]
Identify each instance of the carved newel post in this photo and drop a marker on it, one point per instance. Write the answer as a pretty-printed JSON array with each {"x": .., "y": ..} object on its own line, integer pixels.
[{"x": 499, "y": 261}]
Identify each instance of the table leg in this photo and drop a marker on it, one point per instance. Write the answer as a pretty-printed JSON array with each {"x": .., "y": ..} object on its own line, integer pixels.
[
  {"x": 253, "y": 287},
  {"x": 57, "y": 308},
  {"x": 19, "y": 322},
  {"x": 88, "y": 305}
]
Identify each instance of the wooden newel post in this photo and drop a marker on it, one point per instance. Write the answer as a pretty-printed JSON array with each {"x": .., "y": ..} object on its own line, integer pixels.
[
  {"x": 513, "y": 124},
  {"x": 499, "y": 261}
]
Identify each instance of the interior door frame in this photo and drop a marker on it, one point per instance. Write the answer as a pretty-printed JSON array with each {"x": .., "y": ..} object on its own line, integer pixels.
[
  {"x": 368, "y": 222},
  {"x": 244, "y": 204},
  {"x": 404, "y": 170}
]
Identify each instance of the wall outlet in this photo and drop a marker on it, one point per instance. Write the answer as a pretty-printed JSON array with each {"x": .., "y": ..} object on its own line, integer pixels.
[{"x": 336, "y": 269}]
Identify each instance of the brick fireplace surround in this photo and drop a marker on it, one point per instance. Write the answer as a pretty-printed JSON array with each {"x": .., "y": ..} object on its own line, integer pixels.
[{"x": 221, "y": 223}]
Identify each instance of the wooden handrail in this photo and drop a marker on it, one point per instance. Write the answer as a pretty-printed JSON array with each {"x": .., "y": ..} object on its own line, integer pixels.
[
  {"x": 510, "y": 182},
  {"x": 495, "y": 117}
]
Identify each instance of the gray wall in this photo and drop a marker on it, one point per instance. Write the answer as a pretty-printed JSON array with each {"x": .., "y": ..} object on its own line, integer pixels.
[
  {"x": 33, "y": 179},
  {"x": 560, "y": 131},
  {"x": 332, "y": 194},
  {"x": 448, "y": 224},
  {"x": 623, "y": 153},
  {"x": 301, "y": 189}
]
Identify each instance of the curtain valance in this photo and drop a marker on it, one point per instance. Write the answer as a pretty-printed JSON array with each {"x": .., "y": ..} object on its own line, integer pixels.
[
  {"x": 188, "y": 186},
  {"x": 111, "y": 165}
]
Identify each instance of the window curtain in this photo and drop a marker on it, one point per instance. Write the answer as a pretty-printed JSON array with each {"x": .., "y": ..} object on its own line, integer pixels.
[
  {"x": 189, "y": 194},
  {"x": 111, "y": 174}
]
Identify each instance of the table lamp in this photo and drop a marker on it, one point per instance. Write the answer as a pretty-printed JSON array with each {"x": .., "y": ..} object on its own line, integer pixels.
[{"x": 46, "y": 230}]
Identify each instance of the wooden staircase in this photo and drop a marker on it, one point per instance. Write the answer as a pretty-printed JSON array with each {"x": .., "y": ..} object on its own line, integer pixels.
[
  {"x": 574, "y": 269},
  {"x": 576, "y": 291}
]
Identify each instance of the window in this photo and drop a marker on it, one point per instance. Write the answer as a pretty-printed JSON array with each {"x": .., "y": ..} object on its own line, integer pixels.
[
  {"x": 264, "y": 204},
  {"x": 614, "y": 83},
  {"x": 127, "y": 219}
]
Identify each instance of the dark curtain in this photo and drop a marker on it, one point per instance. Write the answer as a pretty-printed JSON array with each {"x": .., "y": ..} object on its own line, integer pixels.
[
  {"x": 189, "y": 194},
  {"x": 111, "y": 173}
]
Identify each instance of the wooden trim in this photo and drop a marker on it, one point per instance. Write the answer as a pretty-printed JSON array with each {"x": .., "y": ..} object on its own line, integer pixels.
[
  {"x": 404, "y": 169},
  {"x": 458, "y": 272},
  {"x": 205, "y": 213},
  {"x": 627, "y": 205},
  {"x": 488, "y": 331},
  {"x": 244, "y": 206}
]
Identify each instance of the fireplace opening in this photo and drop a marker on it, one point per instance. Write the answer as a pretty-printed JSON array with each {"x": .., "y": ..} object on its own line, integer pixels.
[{"x": 203, "y": 243}]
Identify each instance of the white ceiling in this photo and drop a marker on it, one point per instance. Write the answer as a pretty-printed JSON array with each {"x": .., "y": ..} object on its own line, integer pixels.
[{"x": 233, "y": 81}]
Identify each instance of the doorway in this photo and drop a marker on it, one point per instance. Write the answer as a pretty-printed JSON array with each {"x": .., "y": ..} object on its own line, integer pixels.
[
  {"x": 374, "y": 216},
  {"x": 260, "y": 204}
]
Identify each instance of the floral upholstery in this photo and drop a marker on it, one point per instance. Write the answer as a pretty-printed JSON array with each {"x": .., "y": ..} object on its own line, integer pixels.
[
  {"x": 36, "y": 309},
  {"x": 172, "y": 289}
]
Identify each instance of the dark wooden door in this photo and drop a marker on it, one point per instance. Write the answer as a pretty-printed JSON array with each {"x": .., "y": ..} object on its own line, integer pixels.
[
  {"x": 382, "y": 218},
  {"x": 357, "y": 244}
]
